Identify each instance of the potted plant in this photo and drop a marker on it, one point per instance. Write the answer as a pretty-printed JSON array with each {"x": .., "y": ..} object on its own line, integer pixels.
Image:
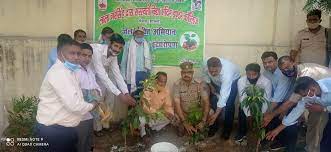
[
  {"x": 22, "y": 118},
  {"x": 254, "y": 102}
]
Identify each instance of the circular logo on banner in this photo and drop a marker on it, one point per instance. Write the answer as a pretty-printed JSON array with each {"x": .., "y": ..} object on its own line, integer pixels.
[
  {"x": 189, "y": 41},
  {"x": 102, "y": 5}
]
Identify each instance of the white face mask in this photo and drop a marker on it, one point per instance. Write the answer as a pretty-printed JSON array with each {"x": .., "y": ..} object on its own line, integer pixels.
[
  {"x": 112, "y": 52},
  {"x": 313, "y": 25},
  {"x": 215, "y": 79},
  {"x": 311, "y": 99}
]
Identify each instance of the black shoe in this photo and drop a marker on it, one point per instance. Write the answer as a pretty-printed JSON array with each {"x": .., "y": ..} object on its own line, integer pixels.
[
  {"x": 239, "y": 138},
  {"x": 98, "y": 133},
  {"x": 276, "y": 146},
  {"x": 226, "y": 135},
  {"x": 211, "y": 132}
]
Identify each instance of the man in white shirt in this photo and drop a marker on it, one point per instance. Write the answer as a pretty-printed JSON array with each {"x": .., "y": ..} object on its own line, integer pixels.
[
  {"x": 290, "y": 69},
  {"x": 61, "y": 105},
  {"x": 253, "y": 77},
  {"x": 105, "y": 57},
  {"x": 91, "y": 92},
  {"x": 312, "y": 92},
  {"x": 222, "y": 76},
  {"x": 136, "y": 61}
]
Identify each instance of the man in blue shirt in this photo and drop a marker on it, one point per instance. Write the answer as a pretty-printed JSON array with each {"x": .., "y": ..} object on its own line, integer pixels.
[
  {"x": 222, "y": 77},
  {"x": 282, "y": 88},
  {"x": 52, "y": 56},
  {"x": 105, "y": 35},
  {"x": 312, "y": 92},
  {"x": 79, "y": 36}
]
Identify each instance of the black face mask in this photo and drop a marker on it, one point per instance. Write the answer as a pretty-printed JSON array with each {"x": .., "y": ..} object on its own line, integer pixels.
[
  {"x": 253, "y": 81},
  {"x": 291, "y": 72}
]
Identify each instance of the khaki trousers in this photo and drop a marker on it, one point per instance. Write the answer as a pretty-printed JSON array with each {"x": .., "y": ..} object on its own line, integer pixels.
[{"x": 315, "y": 126}]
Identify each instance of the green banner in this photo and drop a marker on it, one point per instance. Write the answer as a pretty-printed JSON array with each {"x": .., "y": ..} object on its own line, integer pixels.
[{"x": 174, "y": 29}]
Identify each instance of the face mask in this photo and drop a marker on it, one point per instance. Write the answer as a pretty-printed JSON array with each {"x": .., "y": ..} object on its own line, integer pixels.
[
  {"x": 311, "y": 99},
  {"x": 71, "y": 66},
  {"x": 139, "y": 39},
  {"x": 313, "y": 25},
  {"x": 290, "y": 72},
  {"x": 215, "y": 78},
  {"x": 105, "y": 41},
  {"x": 112, "y": 52},
  {"x": 253, "y": 81}
]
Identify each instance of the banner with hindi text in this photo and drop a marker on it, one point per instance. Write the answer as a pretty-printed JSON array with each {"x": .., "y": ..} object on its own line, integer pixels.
[{"x": 174, "y": 29}]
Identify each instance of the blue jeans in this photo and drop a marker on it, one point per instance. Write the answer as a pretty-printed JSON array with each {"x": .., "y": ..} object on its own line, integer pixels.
[
  {"x": 59, "y": 138},
  {"x": 229, "y": 108}
]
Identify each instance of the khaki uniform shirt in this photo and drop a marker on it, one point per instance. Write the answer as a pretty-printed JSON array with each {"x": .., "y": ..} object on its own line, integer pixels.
[
  {"x": 312, "y": 46},
  {"x": 189, "y": 95}
]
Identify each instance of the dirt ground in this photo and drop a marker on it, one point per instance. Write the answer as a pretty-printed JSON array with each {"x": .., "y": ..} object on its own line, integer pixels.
[{"x": 112, "y": 141}]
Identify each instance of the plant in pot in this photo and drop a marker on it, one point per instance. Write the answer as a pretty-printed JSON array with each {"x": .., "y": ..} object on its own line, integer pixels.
[
  {"x": 254, "y": 102},
  {"x": 22, "y": 118}
]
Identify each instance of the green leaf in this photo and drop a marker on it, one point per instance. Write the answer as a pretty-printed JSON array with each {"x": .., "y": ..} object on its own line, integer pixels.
[
  {"x": 324, "y": 5},
  {"x": 254, "y": 101}
]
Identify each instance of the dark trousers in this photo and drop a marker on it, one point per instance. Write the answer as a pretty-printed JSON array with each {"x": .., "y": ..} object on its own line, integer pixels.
[
  {"x": 229, "y": 108},
  {"x": 242, "y": 123},
  {"x": 85, "y": 135},
  {"x": 59, "y": 138},
  {"x": 288, "y": 137},
  {"x": 326, "y": 140},
  {"x": 140, "y": 76}
]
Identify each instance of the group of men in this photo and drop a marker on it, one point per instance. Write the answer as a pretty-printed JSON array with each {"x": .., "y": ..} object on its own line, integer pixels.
[{"x": 80, "y": 76}]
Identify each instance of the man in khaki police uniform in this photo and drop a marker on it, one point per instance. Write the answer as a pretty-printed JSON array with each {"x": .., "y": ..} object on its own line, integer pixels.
[
  {"x": 189, "y": 92},
  {"x": 310, "y": 43}
]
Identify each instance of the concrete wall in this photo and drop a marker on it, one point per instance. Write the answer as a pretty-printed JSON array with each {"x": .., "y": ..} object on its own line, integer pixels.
[{"x": 239, "y": 30}]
